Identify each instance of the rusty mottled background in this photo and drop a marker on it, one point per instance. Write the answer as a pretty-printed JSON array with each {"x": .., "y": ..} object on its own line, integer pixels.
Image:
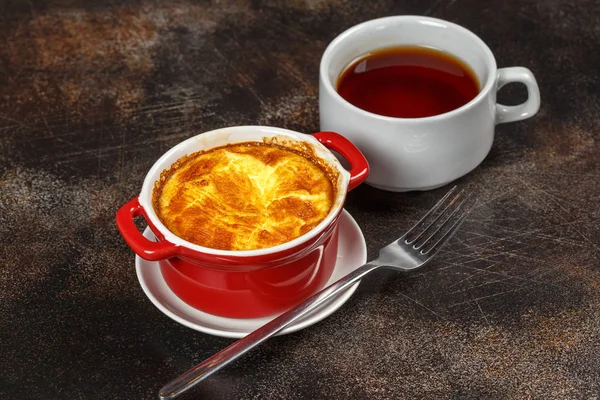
[{"x": 93, "y": 92}]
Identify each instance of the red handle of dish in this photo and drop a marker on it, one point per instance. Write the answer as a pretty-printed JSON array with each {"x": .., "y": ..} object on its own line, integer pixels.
[
  {"x": 359, "y": 167},
  {"x": 147, "y": 249}
]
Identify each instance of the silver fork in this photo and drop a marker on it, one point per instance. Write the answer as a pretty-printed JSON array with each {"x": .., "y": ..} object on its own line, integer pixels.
[{"x": 411, "y": 251}]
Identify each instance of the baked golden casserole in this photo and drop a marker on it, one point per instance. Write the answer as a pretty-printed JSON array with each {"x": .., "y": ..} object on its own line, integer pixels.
[{"x": 244, "y": 196}]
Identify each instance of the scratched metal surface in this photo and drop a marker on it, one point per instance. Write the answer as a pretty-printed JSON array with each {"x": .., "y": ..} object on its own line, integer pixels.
[{"x": 93, "y": 92}]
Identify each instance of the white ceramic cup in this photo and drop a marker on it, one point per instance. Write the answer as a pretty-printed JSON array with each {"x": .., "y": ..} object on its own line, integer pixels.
[{"x": 421, "y": 153}]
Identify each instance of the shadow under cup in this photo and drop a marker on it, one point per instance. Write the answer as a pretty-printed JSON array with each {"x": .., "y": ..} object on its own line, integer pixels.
[{"x": 420, "y": 153}]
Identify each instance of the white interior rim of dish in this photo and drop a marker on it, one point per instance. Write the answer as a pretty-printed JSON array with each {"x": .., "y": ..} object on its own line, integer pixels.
[{"x": 259, "y": 133}]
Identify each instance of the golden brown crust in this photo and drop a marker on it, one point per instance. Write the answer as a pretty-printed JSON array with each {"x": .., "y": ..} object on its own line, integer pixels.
[{"x": 245, "y": 196}]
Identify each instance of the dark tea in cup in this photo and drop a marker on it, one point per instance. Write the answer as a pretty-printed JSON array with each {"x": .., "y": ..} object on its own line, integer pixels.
[
  {"x": 408, "y": 82},
  {"x": 417, "y": 95}
]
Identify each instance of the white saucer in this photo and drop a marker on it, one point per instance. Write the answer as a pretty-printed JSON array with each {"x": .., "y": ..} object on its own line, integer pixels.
[{"x": 352, "y": 253}]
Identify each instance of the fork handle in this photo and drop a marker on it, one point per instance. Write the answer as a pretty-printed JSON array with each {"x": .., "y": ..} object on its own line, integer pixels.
[{"x": 240, "y": 347}]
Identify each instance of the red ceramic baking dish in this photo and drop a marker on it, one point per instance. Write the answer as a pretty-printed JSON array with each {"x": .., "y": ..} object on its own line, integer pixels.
[{"x": 248, "y": 283}]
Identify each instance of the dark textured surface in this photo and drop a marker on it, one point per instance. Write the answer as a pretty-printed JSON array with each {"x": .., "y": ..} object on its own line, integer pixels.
[{"x": 94, "y": 92}]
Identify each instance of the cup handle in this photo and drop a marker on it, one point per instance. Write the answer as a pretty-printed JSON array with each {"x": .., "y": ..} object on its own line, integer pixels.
[
  {"x": 359, "y": 167},
  {"x": 522, "y": 111},
  {"x": 147, "y": 249}
]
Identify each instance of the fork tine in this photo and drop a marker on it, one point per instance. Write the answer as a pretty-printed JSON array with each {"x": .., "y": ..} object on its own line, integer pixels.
[
  {"x": 437, "y": 206},
  {"x": 448, "y": 216},
  {"x": 453, "y": 228},
  {"x": 443, "y": 213}
]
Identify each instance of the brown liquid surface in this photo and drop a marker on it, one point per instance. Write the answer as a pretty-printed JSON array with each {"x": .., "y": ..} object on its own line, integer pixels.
[
  {"x": 245, "y": 196},
  {"x": 408, "y": 82}
]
